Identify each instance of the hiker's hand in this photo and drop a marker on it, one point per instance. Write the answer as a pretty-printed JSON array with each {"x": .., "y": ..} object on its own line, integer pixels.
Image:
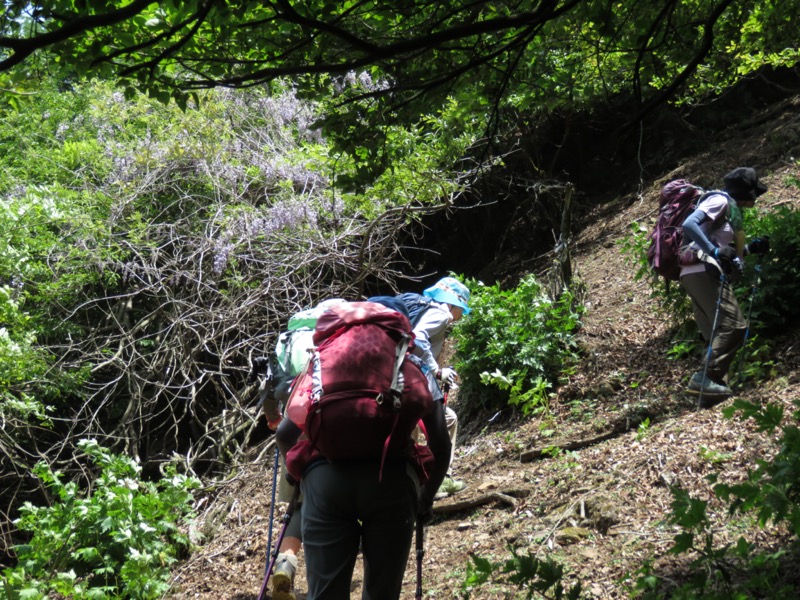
[
  {"x": 725, "y": 254},
  {"x": 730, "y": 263},
  {"x": 269, "y": 407},
  {"x": 448, "y": 376},
  {"x": 759, "y": 245},
  {"x": 273, "y": 423}
]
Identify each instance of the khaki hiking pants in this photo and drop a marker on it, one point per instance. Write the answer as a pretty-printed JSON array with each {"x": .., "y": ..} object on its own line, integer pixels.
[
  {"x": 451, "y": 420},
  {"x": 704, "y": 289}
]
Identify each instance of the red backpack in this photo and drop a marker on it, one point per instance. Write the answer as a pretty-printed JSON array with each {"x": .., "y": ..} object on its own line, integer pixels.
[
  {"x": 361, "y": 395},
  {"x": 666, "y": 253}
]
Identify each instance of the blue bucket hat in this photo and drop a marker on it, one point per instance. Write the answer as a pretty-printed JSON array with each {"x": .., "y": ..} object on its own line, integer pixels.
[{"x": 449, "y": 290}]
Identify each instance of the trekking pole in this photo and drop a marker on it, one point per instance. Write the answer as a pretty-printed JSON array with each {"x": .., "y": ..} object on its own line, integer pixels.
[
  {"x": 265, "y": 390},
  {"x": 261, "y": 365},
  {"x": 274, "y": 555},
  {"x": 420, "y": 554},
  {"x": 753, "y": 290},
  {"x": 276, "y": 465},
  {"x": 722, "y": 280}
]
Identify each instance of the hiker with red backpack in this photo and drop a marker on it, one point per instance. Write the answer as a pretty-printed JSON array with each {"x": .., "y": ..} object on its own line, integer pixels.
[
  {"x": 717, "y": 239},
  {"x": 348, "y": 440},
  {"x": 442, "y": 304}
]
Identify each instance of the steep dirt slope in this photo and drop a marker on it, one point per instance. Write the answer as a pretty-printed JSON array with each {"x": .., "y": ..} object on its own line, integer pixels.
[{"x": 599, "y": 508}]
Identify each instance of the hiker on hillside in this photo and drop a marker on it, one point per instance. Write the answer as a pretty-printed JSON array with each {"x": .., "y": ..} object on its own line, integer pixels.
[
  {"x": 450, "y": 302},
  {"x": 368, "y": 503},
  {"x": 715, "y": 229}
]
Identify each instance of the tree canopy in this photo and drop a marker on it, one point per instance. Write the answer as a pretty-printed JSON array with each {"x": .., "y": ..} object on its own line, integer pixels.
[{"x": 526, "y": 53}]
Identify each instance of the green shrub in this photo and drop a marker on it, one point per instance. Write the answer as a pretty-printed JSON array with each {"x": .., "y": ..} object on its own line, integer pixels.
[
  {"x": 515, "y": 345},
  {"x": 773, "y": 487},
  {"x": 116, "y": 540},
  {"x": 778, "y": 293},
  {"x": 535, "y": 577}
]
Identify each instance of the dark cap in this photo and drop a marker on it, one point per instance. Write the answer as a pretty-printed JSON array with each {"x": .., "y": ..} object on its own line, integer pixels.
[{"x": 742, "y": 183}]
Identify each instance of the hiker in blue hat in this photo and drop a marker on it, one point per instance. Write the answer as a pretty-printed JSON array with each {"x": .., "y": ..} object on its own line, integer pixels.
[
  {"x": 450, "y": 303},
  {"x": 718, "y": 240}
]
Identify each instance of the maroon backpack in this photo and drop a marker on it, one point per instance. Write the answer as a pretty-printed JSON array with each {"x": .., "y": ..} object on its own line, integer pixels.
[
  {"x": 361, "y": 395},
  {"x": 666, "y": 253}
]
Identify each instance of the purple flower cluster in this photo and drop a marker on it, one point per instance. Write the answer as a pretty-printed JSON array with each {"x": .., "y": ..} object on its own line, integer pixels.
[
  {"x": 222, "y": 252},
  {"x": 362, "y": 81},
  {"x": 288, "y": 215}
]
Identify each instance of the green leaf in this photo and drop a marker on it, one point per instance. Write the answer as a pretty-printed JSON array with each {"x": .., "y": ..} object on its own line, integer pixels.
[{"x": 683, "y": 542}]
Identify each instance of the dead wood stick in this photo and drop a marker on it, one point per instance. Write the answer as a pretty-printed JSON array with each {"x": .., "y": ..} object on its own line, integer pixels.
[{"x": 476, "y": 502}]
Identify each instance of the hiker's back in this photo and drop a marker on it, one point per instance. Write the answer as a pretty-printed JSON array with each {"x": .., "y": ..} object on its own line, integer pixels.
[{"x": 416, "y": 305}]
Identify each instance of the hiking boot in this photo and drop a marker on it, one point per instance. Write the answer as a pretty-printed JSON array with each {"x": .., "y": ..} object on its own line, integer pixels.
[
  {"x": 707, "y": 387},
  {"x": 283, "y": 577},
  {"x": 449, "y": 486}
]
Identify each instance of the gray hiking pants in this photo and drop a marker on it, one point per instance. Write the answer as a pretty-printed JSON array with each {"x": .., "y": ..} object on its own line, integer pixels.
[
  {"x": 345, "y": 505},
  {"x": 703, "y": 289}
]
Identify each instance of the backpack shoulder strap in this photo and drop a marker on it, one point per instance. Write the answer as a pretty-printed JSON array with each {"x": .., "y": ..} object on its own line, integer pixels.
[
  {"x": 396, "y": 388},
  {"x": 416, "y": 304}
]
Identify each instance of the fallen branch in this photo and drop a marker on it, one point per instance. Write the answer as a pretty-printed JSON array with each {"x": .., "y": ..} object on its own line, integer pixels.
[
  {"x": 504, "y": 497},
  {"x": 544, "y": 451}
]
